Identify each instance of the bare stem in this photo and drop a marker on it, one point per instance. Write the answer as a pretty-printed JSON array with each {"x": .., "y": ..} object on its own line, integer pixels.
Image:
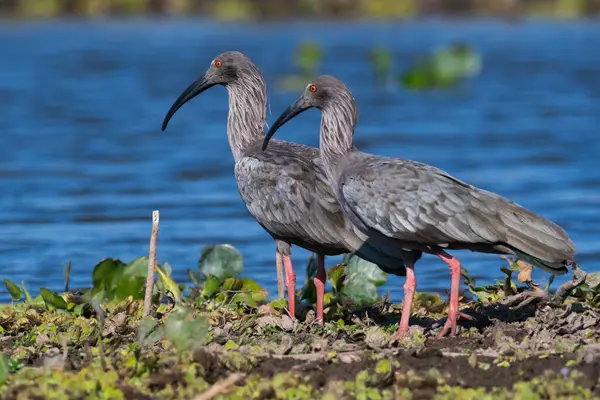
[
  {"x": 151, "y": 264},
  {"x": 280, "y": 284},
  {"x": 220, "y": 387}
]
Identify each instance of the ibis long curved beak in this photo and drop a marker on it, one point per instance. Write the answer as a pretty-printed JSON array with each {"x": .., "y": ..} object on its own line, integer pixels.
[
  {"x": 298, "y": 107},
  {"x": 197, "y": 87}
]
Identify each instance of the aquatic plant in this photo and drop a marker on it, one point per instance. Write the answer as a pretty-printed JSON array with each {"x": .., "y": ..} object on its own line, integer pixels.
[
  {"x": 444, "y": 68},
  {"x": 307, "y": 58}
]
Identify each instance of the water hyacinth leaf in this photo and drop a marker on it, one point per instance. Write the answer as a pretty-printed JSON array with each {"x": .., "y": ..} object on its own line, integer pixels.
[
  {"x": 168, "y": 283},
  {"x": 13, "y": 289},
  {"x": 186, "y": 330},
  {"x": 445, "y": 67},
  {"x": 105, "y": 271},
  {"x": 4, "y": 368},
  {"x": 130, "y": 286},
  {"x": 137, "y": 267},
  {"x": 211, "y": 286},
  {"x": 359, "y": 269},
  {"x": 360, "y": 291},
  {"x": 145, "y": 329},
  {"x": 195, "y": 277},
  {"x": 223, "y": 261},
  {"x": 53, "y": 299}
]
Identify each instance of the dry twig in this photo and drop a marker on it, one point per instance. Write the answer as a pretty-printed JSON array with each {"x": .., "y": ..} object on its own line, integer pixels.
[
  {"x": 220, "y": 387},
  {"x": 151, "y": 263}
]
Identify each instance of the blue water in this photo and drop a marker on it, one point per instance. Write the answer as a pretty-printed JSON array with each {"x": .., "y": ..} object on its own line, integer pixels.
[{"x": 84, "y": 163}]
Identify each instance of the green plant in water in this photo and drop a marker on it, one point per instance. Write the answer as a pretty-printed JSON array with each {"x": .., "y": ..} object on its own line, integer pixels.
[
  {"x": 218, "y": 283},
  {"x": 444, "y": 68},
  {"x": 307, "y": 58},
  {"x": 13, "y": 289},
  {"x": 381, "y": 61}
]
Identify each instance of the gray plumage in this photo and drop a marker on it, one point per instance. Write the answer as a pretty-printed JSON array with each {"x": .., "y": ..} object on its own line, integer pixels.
[
  {"x": 285, "y": 188},
  {"x": 420, "y": 207}
]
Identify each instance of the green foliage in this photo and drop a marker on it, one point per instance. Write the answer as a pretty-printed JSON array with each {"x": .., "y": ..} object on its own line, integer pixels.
[
  {"x": 381, "y": 61},
  {"x": 222, "y": 261},
  {"x": 307, "y": 58},
  {"x": 589, "y": 292},
  {"x": 28, "y": 297},
  {"x": 52, "y": 299},
  {"x": 13, "y": 289},
  {"x": 4, "y": 368},
  {"x": 444, "y": 68},
  {"x": 361, "y": 281},
  {"x": 185, "y": 329}
]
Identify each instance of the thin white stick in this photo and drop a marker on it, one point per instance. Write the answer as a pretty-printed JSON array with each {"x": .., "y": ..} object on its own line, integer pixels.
[{"x": 151, "y": 264}]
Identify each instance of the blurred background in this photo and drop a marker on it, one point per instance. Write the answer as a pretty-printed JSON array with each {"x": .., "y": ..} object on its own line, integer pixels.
[{"x": 504, "y": 94}]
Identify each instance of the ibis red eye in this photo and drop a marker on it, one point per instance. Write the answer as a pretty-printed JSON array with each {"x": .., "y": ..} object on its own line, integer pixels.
[
  {"x": 218, "y": 63},
  {"x": 312, "y": 88}
]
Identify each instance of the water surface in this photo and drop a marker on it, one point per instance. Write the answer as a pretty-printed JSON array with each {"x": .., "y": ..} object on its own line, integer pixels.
[{"x": 84, "y": 162}]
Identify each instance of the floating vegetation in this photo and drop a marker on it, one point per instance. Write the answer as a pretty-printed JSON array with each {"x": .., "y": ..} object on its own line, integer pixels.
[
  {"x": 307, "y": 59},
  {"x": 444, "y": 68},
  {"x": 381, "y": 62},
  {"x": 224, "y": 337}
]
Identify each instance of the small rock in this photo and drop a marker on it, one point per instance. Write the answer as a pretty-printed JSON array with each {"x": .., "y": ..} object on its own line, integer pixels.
[
  {"x": 287, "y": 323},
  {"x": 319, "y": 344},
  {"x": 376, "y": 339},
  {"x": 589, "y": 353},
  {"x": 53, "y": 359},
  {"x": 41, "y": 339}
]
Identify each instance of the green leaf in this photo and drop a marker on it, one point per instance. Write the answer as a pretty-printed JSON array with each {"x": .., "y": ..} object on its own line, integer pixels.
[
  {"x": 443, "y": 68},
  {"x": 360, "y": 280},
  {"x": 307, "y": 58},
  {"x": 381, "y": 60},
  {"x": 253, "y": 289},
  {"x": 335, "y": 276},
  {"x": 4, "y": 368},
  {"x": 13, "y": 289},
  {"x": 195, "y": 277},
  {"x": 361, "y": 292},
  {"x": 130, "y": 286},
  {"x": 222, "y": 261},
  {"x": 137, "y": 267},
  {"x": 53, "y": 299},
  {"x": 211, "y": 286},
  {"x": 106, "y": 272},
  {"x": 28, "y": 297},
  {"x": 168, "y": 283},
  {"x": 186, "y": 330}
]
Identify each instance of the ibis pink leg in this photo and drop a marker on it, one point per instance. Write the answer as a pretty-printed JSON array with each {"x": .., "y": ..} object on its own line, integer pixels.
[
  {"x": 319, "y": 281},
  {"x": 290, "y": 281},
  {"x": 410, "y": 286},
  {"x": 453, "y": 313}
]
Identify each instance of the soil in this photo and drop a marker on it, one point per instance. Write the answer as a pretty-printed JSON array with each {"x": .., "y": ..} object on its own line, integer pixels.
[{"x": 542, "y": 350}]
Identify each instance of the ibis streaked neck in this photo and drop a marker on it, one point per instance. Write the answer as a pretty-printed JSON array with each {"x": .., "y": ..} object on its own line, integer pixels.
[
  {"x": 247, "y": 112},
  {"x": 337, "y": 131}
]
